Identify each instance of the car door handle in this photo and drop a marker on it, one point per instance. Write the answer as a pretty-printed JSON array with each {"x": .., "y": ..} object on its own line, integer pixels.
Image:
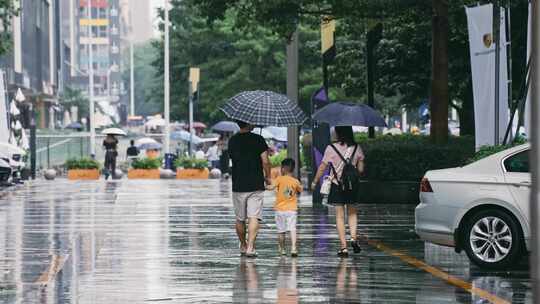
[{"x": 523, "y": 184}]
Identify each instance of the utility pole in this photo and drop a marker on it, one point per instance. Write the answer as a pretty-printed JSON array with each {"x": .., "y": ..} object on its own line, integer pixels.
[
  {"x": 91, "y": 82},
  {"x": 535, "y": 154},
  {"x": 194, "y": 78},
  {"x": 166, "y": 107},
  {"x": 293, "y": 149},
  {"x": 131, "y": 69}
]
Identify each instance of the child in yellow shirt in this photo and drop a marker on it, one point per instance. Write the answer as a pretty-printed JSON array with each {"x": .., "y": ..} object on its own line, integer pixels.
[{"x": 287, "y": 189}]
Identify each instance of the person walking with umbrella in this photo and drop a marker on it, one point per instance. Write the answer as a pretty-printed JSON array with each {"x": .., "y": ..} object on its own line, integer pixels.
[
  {"x": 250, "y": 173},
  {"x": 336, "y": 157},
  {"x": 346, "y": 162},
  {"x": 249, "y": 155},
  {"x": 110, "y": 144}
]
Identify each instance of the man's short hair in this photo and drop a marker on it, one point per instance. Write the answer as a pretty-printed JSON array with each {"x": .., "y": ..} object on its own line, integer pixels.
[
  {"x": 242, "y": 124},
  {"x": 132, "y": 142},
  {"x": 289, "y": 163}
]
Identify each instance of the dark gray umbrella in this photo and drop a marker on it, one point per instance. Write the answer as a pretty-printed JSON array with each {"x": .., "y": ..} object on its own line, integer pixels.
[
  {"x": 349, "y": 114},
  {"x": 264, "y": 108},
  {"x": 74, "y": 125},
  {"x": 226, "y": 126}
]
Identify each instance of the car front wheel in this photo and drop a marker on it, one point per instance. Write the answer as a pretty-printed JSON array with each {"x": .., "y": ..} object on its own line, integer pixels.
[{"x": 493, "y": 239}]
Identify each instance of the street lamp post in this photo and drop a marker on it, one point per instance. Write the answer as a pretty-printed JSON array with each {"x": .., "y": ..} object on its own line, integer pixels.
[
  {"x": 166, "y": 81},
  {"x": 91, "y": 83},
  {"x": 131, "y": 79},
  {"x": 535, "y": 138}
]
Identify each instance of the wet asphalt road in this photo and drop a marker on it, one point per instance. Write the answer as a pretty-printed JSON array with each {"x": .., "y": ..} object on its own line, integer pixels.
[{"x": 174, "y": 242}]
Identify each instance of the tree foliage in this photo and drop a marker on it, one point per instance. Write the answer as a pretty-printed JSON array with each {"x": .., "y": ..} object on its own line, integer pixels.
[
  {"x": 146, "y": 80},
  {"x": 75, "y": 97},
  {"x": 7, "y": 11},
  {"x": 239, "y": 44},
  {"x": 231, "y": 60}
]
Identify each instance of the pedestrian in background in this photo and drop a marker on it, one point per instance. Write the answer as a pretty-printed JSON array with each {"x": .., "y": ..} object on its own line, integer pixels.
[
  {"x": 132, "y": 151},
  {"x": 250, "y": 172},
  {"x": 224, "y": 159},
  {"x": 286, "y": 206},
  {"x": 110, "y": 144},
  {"x": 346, "y": 161},
  {"x": 213, "y": 154}
]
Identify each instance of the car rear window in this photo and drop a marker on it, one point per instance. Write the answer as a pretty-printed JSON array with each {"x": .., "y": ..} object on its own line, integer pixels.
[{"x": 518, "y": 163}]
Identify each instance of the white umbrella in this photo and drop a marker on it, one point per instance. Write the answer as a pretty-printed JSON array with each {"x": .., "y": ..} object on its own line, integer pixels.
[
  {"x": 144, "y": 141},
  {"x": 155, "y": 122},
  {"x": 186, "y": 136},
  {"x": 264, "y": 133},
  {"x": 278, "y": 133},
  {"x": 11, "y": 149},
  {"x": 20, "y": 96},
  {"x": 114, "y": 131},
  {"x": 13, "y": 109}
]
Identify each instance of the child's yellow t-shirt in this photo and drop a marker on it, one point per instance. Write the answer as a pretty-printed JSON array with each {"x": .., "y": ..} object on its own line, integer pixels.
[{"x": 287, "y": 189}]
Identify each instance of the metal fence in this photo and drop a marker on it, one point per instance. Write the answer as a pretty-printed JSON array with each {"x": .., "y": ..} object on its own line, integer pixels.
[{"x": 54, "y": 149}]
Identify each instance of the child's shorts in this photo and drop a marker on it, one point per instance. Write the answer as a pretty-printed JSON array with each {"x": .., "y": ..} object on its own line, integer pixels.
[{"x": 286, "y": 221}]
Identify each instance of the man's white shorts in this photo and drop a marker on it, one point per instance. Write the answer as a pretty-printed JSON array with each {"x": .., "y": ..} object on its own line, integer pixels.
[{"x": 248, "y": 205}]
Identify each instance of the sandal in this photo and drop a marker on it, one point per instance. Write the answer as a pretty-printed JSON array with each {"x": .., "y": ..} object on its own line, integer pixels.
[
  {"x": 356, "y": 246},
  {"x": 252, "y": 254},
  {"x": 242, "y": 251},
  {"x": 343, "y": 252}
]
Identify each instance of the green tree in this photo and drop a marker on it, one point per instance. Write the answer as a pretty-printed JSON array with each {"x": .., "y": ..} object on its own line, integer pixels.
[
  {"x": 75, "y": 97},
  {"x": 231, "y": 60},
  {"x": 7, "y": 11},
  {"x": 146, "y": 79}
]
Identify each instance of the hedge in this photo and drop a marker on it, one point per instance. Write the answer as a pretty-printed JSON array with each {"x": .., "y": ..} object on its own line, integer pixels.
[
  {"x": 191, "y": 163},
  {"x": 146, "y": 163},
  {"x": 84, "y": 163},
  {"x": 409, "y": 157}
]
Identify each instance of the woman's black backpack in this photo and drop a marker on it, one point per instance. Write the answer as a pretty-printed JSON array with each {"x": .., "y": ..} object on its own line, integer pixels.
[{"x": 350, "y": 178}]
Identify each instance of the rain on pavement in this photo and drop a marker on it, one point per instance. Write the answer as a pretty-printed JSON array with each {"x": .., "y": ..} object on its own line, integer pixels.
[{"x": 174, "y": 242}]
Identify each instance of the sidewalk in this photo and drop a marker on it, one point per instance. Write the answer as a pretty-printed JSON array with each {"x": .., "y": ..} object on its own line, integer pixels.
[{"x": 174, "y": 242}]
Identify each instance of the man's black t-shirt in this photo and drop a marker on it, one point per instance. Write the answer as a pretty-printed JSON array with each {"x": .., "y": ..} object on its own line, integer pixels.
[{"x": 245, "y": 150}]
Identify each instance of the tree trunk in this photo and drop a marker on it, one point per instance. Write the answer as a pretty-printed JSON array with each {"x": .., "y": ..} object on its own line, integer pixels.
[
  {"x": 439, "y": 74},
  {"x": 466, "y": 113}
]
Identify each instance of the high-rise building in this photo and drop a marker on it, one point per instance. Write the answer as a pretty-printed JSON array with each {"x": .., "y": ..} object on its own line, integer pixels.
[
  {"x": 105, "y": 39},
  {"x": 139, "y": 18}
]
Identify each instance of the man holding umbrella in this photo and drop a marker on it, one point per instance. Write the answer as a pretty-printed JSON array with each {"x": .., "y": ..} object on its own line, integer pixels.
[
  {"x": 249, "y": 155},
  {"x": 250, "y": 172}
]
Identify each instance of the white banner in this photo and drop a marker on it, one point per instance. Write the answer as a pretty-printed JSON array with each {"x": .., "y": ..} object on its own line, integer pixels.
[
  {"x": 4, "y": 125},
  {"x": 482, "y": 49}
]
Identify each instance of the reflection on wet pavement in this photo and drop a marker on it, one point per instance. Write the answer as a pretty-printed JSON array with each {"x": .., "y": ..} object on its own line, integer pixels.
[{"x": 174, "y": 242}]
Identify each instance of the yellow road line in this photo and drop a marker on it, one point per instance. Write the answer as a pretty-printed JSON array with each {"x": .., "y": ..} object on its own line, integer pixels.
[{"x": 439, "y": 273}]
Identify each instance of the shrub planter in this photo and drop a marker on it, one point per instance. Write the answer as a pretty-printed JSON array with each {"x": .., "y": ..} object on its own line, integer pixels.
[
  {"x": 82, "y": 169},
  {"x": 192, "y": 168},
  {"x": 386, "y": 192},
  {"x": 145, "y": 168},
  {"x": 193, "y": 173},
  {"x": 83, "y": 174},
  {"x": 143, "y": 174}
]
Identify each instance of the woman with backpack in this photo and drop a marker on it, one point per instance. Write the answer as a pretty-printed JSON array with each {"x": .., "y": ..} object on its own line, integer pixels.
[{"x": 346, "y": 162}]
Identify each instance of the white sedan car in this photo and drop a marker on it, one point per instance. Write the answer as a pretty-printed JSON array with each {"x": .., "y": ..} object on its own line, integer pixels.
[{"x": 482, "y": 208}]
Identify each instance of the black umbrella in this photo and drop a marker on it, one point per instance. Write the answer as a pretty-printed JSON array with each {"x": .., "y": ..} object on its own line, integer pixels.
[
  {"x": 349, "y": 114},
  {"x": 264, "y": 108},
  {"x": 226, "y": 126}
]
